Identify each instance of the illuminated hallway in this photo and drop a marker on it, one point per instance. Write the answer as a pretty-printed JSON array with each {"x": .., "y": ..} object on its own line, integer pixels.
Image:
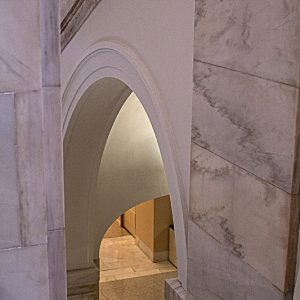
[{"x": 126, "y": 272}]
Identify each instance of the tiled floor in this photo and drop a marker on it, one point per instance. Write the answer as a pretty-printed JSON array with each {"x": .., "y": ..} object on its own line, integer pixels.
[{"x": 126, "y": 273}]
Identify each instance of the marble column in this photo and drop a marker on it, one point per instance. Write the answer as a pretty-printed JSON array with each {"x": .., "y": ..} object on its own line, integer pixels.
[
  {"x": 244, "y": 204},
  {"x": 31, "y": 201}
]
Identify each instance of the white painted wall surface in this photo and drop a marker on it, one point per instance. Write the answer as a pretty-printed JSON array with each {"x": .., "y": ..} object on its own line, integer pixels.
[{"x": 161, "y": 34}]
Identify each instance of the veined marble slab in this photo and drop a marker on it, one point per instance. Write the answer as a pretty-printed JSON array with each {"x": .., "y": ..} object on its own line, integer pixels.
[
  {"x": 247, "y": 216},
  {"x": 10, "y": 235},
  {"x": 253, "y": 36},
  {"x": 214, "y": 273},
  {"x": 53, "y": 177},
  {"x": 24, "y": 274},
  {"x": 247, "y": 120},
  {"x": 30, "y": 164},
  {"x": 20, "y": 55}
]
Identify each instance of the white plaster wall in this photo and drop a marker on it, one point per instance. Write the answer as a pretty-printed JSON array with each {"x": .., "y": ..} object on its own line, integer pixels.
[
  {"x": 161, "y": 34},
  {"x": 131, "y": 169}
]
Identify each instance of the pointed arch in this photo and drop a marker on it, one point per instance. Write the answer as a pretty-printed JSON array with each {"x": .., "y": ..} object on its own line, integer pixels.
[{"x": 113, "y": 60}]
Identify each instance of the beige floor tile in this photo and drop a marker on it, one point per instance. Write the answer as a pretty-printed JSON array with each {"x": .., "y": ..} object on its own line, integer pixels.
[
  {"x": 106, "y": 278},
  {"x": 137, "y": 274},
  {"x": 117, "y": 271}
]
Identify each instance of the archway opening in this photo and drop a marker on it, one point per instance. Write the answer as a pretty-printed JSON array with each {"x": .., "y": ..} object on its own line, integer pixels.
[
  {"x": 86, "y": 134},
  {"x": 134, "y": 265},
  {"x": 138, "y": 253}
]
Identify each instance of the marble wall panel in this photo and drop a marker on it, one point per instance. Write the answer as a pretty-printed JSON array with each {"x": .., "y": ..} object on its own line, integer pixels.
[
  {"x": 24, "y": 273},
  {"x": 53, "y": 178},
  {"x": 243, "y": 213},
  {"x": 247, "y": 120},
  {"x": 9, "y": 189},
  {"x": 30, "y": 164},
  {"x": 57, "y": 264},
  {"x": 20, "y": 56},
  {"x": 253, "y": 36},
  {"x": 50, "y": 42},
  {"x": 215, "y": 273}
]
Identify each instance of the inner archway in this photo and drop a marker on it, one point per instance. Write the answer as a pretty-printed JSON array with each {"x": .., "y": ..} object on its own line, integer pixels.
[
  {"x": 91, "y": 102},
  {"x": 134, "y": 259},
  {"x": 138, "y": 253}
]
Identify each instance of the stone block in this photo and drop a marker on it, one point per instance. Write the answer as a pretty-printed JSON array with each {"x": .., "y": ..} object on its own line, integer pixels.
[
  {"x": 247, "y": 216},
  {"x": 215, "y": 273},
  {"x": 24, "y": 273},
  {"x": 249, "y": 121},
  {"x": 257, "y": 37}
]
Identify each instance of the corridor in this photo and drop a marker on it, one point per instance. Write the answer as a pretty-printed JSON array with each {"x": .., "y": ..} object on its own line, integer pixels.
[{"x": 126, "y": 272}]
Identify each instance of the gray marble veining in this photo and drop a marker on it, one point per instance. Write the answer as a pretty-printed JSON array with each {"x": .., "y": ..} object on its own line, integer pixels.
[
  {"x": 249, "y": 121},
  {"x": 247, "y": 216},
  {"x": 214, "y": 273},
  {"x": 253, "y": 36}
]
